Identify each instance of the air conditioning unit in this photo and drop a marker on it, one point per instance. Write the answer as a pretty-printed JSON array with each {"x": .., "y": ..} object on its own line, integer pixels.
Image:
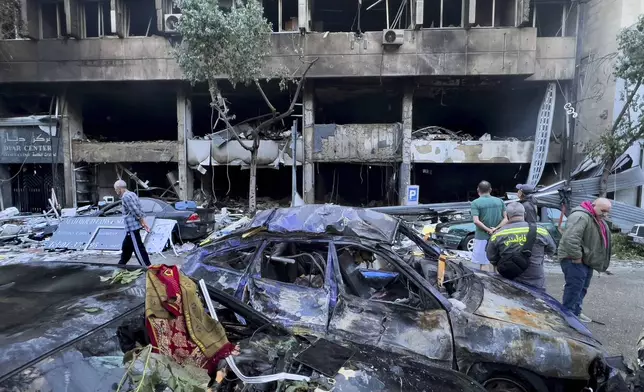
[
  {"x": 171, "y": 23},
  {"x": 393, "y": 37}
]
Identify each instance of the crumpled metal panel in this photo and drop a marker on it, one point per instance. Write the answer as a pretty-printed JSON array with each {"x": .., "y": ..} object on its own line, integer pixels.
[
  {"x": 402, "y": 331},
  {"x": 329, "y": 219},
  {"x": 504, "y": 301},
  {"x": 629, "y": 178},
  {"x": 622, "y": 215},
  {"x": 482, "y": 340}
]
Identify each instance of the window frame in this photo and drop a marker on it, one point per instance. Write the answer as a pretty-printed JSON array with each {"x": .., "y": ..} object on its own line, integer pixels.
[{"x": 390, "y": 256}]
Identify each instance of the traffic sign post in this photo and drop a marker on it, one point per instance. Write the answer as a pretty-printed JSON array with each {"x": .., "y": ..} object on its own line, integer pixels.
[{"x": 413, "y": 192}]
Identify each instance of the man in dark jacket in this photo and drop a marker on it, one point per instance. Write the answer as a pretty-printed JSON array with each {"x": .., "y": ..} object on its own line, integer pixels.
[
  {"x": 584, "y": 246},
  {"x": 507, "y": 243},
  {"x": 525, "y": 192}
]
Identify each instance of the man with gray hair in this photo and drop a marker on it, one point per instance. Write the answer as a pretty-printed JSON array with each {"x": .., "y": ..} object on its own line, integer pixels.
[
  {"x": 134, "y": 221},
  {"x": 517, "y": 250}
]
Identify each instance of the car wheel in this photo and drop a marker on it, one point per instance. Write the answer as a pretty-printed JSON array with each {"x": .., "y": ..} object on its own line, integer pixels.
[
  {"x": 504, "y": 384},
  {"x": 468, "y": 243}
]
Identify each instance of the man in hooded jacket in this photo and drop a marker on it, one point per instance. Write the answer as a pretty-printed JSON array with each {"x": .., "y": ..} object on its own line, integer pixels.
[
  {"x": 525, "y": 192},
  {"x": 584, "y": 247}
]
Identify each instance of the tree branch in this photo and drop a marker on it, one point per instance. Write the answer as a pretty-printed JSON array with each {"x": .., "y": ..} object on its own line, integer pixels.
[
  {"x": 215, "y": 96},
  {"x": 627, "y": 105},
  {"x": 291, "y": 107},
  {"x": 268, "y": 102}
]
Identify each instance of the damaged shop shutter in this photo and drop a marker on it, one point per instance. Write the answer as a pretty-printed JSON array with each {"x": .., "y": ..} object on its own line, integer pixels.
[
  {"x": 30, "y": 19},
  {"x": 523, "y": 13},
  {"x": 72, "y": 17},
  {"x": 117, "y": 17}
]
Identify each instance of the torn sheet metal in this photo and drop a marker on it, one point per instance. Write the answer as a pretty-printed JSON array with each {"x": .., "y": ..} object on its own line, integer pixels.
[
  {"x": 622, "y": 215},
  {"x": 590, "y": 167},
  {"x": 542, "y": 136},
  {"x": 329, "y": 219},
  {"x": 357, "y": 142},
  {"x": 628, "y": 179},
  {"x": 218, "y": 151}
]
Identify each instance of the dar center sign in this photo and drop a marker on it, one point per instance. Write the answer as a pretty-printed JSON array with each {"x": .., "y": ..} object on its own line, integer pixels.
[{"x": 28, "y": 144}]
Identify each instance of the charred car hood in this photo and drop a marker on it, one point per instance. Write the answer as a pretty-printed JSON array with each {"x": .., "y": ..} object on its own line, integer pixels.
[{"x": 507, "y": 301}]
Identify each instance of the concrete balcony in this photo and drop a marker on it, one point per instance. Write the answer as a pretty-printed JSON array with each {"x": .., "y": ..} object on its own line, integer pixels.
[
  {"x": 97, "y": 152},
  {"x": 429, "y": 52},
  {"x": 476, "y": 151}
]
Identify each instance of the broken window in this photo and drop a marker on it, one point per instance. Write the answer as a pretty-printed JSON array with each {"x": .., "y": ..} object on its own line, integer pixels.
[
  {"x": 371, "y": 15},
  {"x": 369, "y": 185},
  {"x": 370, "y": 275},
  {"x": 282, "y": 14},
  {"x": 52, "y": 16},
  {"x": 238, "y": 259},
  {"x": 95, "y": 18},
  {"x": 144, "y": 112},
  {"x": 442, "y": 13},
  {"x": 495, "y": 13},
  {"x": 10, "y": 23},
  {"x": 302, "y": 264},
  {"x": 140, "y": 18},
  {"x": 554, "y": 18}
]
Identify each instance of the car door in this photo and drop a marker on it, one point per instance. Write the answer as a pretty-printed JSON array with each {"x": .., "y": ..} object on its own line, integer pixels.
[
  {"x": 291, "y": 284},
  {"x": 379, "y": 306}
]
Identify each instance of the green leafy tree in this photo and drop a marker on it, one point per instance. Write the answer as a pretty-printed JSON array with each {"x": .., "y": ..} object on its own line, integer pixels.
[
  {"x": 628, "y": 127},
  {"x": 231, "y": 44}
]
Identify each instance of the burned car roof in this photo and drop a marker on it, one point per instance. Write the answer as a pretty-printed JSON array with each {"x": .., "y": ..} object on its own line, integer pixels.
[
  {"x": 62, "y": 336},
  {"x": 329, "y": 219}
]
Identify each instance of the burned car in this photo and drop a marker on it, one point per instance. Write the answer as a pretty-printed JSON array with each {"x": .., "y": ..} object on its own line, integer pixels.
[
  {"x": 62, "y": 326},
  {"x": 341, "y": 273}
]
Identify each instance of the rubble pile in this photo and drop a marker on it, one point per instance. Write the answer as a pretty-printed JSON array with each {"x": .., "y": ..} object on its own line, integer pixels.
[{"x": 434, "y": 132}]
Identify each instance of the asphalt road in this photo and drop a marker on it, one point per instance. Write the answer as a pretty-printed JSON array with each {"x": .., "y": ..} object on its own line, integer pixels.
[{"x": 616, "y": 300}]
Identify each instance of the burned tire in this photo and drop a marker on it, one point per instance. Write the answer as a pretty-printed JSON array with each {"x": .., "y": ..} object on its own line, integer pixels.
[{"x": 468, "y": 243}]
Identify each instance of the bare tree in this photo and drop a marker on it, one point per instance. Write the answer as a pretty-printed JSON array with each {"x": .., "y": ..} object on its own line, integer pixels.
[{"x": 233, "y": 44}]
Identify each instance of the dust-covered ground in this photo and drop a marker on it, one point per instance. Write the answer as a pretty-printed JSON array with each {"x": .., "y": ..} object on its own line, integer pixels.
[{"x": 616, "y": 300}]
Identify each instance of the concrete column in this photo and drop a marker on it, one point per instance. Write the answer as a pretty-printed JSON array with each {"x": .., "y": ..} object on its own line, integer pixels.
[
  {"x": 184, "y": 133},
  {"x": 308, "y": 121},
  {"x": 405, "y": 165},
  {"x": 71, "y": 128}
]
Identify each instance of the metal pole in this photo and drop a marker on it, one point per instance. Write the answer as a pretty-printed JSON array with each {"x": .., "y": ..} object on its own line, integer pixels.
[{"x": 294, "y": 168}]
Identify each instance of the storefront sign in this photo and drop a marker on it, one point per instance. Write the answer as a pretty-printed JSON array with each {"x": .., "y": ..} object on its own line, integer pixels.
[{"x": 28, "y": 144}]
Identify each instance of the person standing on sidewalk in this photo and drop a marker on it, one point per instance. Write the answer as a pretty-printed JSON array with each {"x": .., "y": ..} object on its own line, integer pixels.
[
  {"x": 134, "y": 221},
  {"x": 525, "y": 192},
  {"x": 518, "y": 249},
  {"x": 489, "y": 214},
  {"x": 584, "y": 246}
]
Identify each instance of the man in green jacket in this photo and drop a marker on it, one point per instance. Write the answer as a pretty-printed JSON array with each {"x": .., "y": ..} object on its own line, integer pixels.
[{"x": 584, "y": 246}]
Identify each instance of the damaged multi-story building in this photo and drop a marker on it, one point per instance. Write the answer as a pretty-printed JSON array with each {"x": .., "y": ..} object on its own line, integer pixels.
[{"x": 435, "y": 93}]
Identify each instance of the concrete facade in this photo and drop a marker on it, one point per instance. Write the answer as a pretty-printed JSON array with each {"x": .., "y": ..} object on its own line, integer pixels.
[
  {"x": 453, "y": 52},
  {"x": 451, "y": 57}
]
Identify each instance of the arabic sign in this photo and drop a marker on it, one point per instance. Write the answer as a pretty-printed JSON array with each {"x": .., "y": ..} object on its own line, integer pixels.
[{"x": 28, "y": 144}]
